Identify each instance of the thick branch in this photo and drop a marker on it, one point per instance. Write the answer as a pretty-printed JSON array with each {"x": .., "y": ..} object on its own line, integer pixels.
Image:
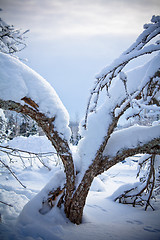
[
  {"x": 151, "y": 147},
  {"x": 47, "y": 124}
]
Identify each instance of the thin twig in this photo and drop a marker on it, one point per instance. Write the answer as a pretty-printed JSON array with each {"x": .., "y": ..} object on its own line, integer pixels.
[
  {"x": 10, "y": 205},
  {"x": 9, "y": 169},
  {"x": 24, "y": 151}
]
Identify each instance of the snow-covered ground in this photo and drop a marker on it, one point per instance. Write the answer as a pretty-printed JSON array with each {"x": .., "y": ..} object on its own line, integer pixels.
[{"x": 103, "y": 218}]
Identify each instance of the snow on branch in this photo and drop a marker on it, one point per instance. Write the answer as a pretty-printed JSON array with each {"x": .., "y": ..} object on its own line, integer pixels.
[
  {"x": 130, "y": 138},
  {"x": 24, "y": 91},
  {"x": 22, "y": 85},
  {"x": 28, "y": 155},
  {"x": 11, "y": 39},
  {"x": 105, "y": 78},
  {"x": 150, "y": 31},
  {"x": 121, "y": 62},
  {"x": 142, "y": 192},
  {"x": 139, "y": 98}
]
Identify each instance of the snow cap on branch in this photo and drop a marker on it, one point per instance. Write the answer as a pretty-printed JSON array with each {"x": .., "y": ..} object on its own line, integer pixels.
[
  {"x": 130, "y": 138},
  {"x": 18, "y": 81}
]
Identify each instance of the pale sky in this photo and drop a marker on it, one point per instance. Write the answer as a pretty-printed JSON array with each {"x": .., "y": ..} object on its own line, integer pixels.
[{"x": 71, "y": 40}]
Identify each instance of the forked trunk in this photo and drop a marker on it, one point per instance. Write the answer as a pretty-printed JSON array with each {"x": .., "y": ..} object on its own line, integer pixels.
[{"x": 74, "y": 211}]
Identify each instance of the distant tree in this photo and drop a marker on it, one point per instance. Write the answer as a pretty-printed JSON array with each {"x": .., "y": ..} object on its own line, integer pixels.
[
  {"x": 75, "y": 136},
  {"x": 24, "y": 129},
  {"x": 2, "y": 126},
  {"x": 12, "y": 127},
  {"x": 19, "y": 125},
  {"x": 34, "y": 128},
  {"x": 103, "y": 144},
  {"x": 27, "y": 126}
]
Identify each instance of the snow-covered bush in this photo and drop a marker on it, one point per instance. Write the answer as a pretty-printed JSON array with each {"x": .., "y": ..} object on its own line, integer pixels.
[{"x": 103, "y": 144}]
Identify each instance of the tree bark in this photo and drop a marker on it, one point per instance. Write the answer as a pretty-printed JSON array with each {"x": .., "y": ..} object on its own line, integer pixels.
[
  {"x": 60, "y": 144},
  {"x": 75, "y": 212},
  {"x": 99, "y": 165}
]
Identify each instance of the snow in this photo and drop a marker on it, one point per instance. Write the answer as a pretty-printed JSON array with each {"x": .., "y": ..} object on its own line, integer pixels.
[
  {"x": 18, "y": 81},
  {"x": 130, "y": 137},
  {"x": 91, "y": 141},
  {"x": 103, "y": 218},
  {"x": 125, "y": 58},
  {"x": 100, "y": 120},
  {"x": 132, "y": 82},
  {"x": 2, "y": 115},
  {"x": 138, "y": 48},
  {"x": 136, "y": 81},
  {"x": 34, "y": 144},
  {"x": 153, "y": 66}
]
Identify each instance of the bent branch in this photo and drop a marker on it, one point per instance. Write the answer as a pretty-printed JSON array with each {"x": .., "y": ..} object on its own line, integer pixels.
[
  {"x": 47, "y": 124},
  {"x": 150, "y": 147}
]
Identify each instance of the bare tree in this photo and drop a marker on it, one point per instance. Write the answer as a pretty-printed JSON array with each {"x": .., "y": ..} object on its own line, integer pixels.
[{"x": 103, "y": 144}]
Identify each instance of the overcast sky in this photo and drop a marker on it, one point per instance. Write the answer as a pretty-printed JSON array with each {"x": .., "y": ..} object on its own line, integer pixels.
[{"x": 71, "y": 40}]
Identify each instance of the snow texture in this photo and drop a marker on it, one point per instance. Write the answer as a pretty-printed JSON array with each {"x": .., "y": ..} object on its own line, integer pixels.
[
  {"x": 2, "y": 115},
  {"x": 103, "y": 218},
  {"x": 93, "y": 137},
  {"x": 34, "y": 144},
  {"x": 130, "y": 138},
  {"x": 137, "y": 78},
  {"x": 18, "y": 81}
]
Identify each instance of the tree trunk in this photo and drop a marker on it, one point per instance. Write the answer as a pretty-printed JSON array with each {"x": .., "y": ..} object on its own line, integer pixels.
[
  {"x": 75, "y": 211},
  {"x": 75, "y": 199}
]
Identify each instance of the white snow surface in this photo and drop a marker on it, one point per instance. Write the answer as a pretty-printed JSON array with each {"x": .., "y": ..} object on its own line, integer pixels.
[
  {"x": 93, "y": 137},
  {"x": 2, "y": 115},
  {"x": 18, "y": 80},
  {"x": 103, "y": 218},
  {"x": 130, "y": 137},
  {"x": 33, "y": 144}
]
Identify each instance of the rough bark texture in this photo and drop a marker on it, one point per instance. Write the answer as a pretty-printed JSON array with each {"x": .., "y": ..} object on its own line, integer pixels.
[{"x": 47, "y": 124}]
